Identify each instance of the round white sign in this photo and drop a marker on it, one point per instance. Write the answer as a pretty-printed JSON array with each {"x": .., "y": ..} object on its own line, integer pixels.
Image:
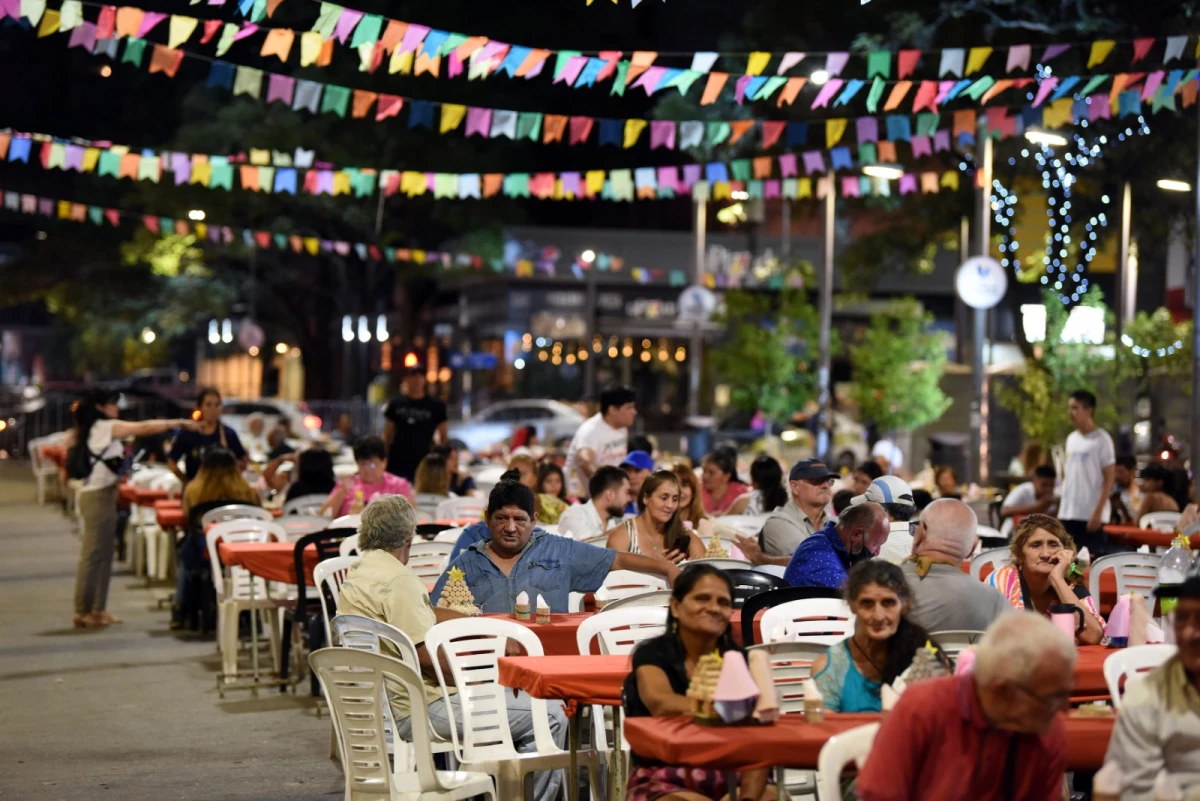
[
  {"x": 697, "y": 303},
  {"x": 981, "y": 282}
]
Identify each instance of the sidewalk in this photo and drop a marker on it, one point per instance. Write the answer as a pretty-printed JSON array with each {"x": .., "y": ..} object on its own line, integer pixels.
[{"x": 133, "y": 709}]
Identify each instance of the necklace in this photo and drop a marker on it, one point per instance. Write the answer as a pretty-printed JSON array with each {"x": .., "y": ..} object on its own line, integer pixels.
[
  {"x": 638, "y": 532},
  {"x": 878, "y": 670}
]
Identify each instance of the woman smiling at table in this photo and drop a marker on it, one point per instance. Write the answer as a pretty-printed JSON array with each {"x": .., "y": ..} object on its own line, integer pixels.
[
  {"x": 851, "y": 674},
  {"x": 1041, "y": 575},
  {"x": 658, "y": 529},
  {"x": 697, "y": 624}
]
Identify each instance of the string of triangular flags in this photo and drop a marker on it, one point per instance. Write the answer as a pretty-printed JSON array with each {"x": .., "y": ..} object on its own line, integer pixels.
[
  {"x": 417, "y": 49},
  {"x": 70, "y": 211}
]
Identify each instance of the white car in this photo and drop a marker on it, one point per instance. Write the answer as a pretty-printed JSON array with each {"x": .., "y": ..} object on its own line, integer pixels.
[
  {"x": 235, "y": 411},
  {"x": 554, "y": 421}
]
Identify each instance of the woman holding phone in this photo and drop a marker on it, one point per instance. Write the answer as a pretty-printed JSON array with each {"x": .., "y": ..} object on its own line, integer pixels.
[{"x": 657, "y": 530}]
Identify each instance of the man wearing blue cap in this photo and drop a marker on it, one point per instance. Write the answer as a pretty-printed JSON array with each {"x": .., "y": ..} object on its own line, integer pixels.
[{"x": 637, "y": 465}]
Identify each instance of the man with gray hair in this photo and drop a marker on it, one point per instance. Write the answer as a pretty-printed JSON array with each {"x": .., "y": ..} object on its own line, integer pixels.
[
  {"x": 825, "y": 558},
  {"x": 944, "y": 597},
  {"x": 380, "y": 586},
  {"x": 986, "y": 735}
]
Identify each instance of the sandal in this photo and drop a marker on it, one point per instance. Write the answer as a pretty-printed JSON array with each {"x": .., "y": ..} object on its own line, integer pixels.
[{"x": 105, "y": 619}]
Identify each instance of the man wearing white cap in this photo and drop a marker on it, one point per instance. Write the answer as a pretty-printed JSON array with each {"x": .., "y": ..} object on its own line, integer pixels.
[{"x": 895, "y": 496}]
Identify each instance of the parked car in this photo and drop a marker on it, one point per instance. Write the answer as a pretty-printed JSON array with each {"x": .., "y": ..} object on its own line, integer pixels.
[
  {"x": 235, "y": 411},
  {"x": 554, "y": 422}
]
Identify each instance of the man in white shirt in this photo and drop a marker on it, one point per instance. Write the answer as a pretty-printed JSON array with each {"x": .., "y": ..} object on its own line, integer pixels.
[
  {"x": 609, "y": 489},
  {"x": 1030, "y": 497},
  {"x": 603, "y": 439},
  {"x": 1087, "y": 477},
  {"x": 896, "y": 498}
]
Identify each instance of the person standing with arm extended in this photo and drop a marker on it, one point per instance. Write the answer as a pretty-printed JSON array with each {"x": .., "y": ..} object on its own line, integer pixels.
[
  {"x": 415, "y": 422},
  {"x": 1087, "y": 477},
  {"x": 99, "y": 433},
  {"x": 209, "y": 431},
  {"x": 603, "y": 439}
]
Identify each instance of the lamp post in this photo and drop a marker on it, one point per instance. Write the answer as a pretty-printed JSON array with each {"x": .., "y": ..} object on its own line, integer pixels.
[{"x": 825, "y": 365}]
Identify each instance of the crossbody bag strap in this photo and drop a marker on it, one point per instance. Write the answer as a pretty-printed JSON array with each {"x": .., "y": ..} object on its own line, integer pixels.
[{"x": 1010, "y": 768}]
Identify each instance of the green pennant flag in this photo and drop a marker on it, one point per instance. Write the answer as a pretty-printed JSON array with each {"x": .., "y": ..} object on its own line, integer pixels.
[
  {"x": 529, "y": 125},
  {"x": 516, "y": 184},
  {"x": 281, "y": 241},
  {"x": 368, "y": 30},
  {"x": 452, "y": 42},
  {"x": 755, "y": 190},
  {"x": 166, "y": 225},
  {"x": 682, "y": 81},
  {"x": 1161, "y": 100},
  {"x": 226, "y": 41},
  {"x": 258, "y": 12},
  {"x": 879, "y": 64},
  {"x": 364, "y": 184},
  {"x": 867, "y": 153},
  {"x": 874, "y": 96},
  {"x": 618, "y": 88},
  {"x": 135, "y": 49},
  {"x": 740, "y": 169},
  {"x": 927, "y": 124},
  {"x": 110, "y": 164},
  {"x": 560, "y": 61},
  {"x": 770, "y": 87},
  {"x": 95, "y": 214},
  {"x": 327, "y": 20},
  {"x": 717, "y": 132},
  {"x": 976, "y": 90},
  {"x": 221, "y": 176},
  {"x": 266, "y": 179},
  {"x": 336, "y": 99},
  {"x": 389, "y": 254},
  {"x": 1091, "y": 85}
]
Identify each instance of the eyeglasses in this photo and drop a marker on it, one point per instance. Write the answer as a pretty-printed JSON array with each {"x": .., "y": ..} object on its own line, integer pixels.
[{"x": 1054, "y": 700}]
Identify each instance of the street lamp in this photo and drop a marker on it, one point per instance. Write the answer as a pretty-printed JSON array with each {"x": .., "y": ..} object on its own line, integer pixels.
[
  {"x": 281, "y": 348},
  {"x": 196, "y": 215},
  {"x": 883, "y": 171},
  {"x": 148, "y": 335},
  {"x": 819, "y": 77},
  {"x": 1172, "y": 185},
  {"x": 1046, "y": 138}
]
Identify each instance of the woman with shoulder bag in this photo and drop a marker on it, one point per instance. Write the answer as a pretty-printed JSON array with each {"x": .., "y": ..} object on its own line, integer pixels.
[{"x": 98, "y": 433}]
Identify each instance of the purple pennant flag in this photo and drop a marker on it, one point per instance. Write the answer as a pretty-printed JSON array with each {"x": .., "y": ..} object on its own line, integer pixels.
[
  {"x": 214, "y": 233},
  {"x": 662, "y": 134},
  {"x": 814, "y": 161},
  {"x": 1153, "y": 81},
  {"x": 247, "y": 29},
  {"x": 739, "y": 92},
  {"x": 650, "y": 78},
  {"x": 571, "y": 184},
  {"x": 1053, "y": 51},
  {"x": 46, "y": 206},
  {"x": 868, "y": 129},
  {"x": 787, "y": 165},
  {"x": 835, "y": 63},
  {"x": 908, "y": 181},
  {"x": 941, "y": 141},
  {"x": 771, "y": 189},
  {"x": 280, "y": 87},
  {"x": 324, "y": 182},
  {"x": 944, "y": 88},
  {"x": 668, "y": 178},
  {"x": 74, "y": 159},
  {"x": 413, "y": 36},
  {"x": 346, "y": 23},
  {"x": 83, "y": 36},
  {"x": 479, "y": 120},
  {"x": 149, "y": 20},
  {"x": 1099, "y": 108},
  {"x": 921, "y": 146},
  {"x": 430, "y": 181},
  {"x": 326, "y": 246},
  {"x": 691, "y": 174},
  {"x": 1047, "y": 86},
  {"x": 181, "y": 165},
  {"x": 827, "y": 92}
]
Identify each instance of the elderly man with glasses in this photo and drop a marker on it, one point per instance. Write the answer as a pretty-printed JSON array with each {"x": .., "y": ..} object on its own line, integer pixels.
[
  {"x": 810, "y": 487},
  {"x": 993, "y": 733}
]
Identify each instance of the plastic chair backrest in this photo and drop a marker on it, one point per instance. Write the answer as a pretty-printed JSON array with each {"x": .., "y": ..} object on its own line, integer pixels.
[
  {"x": 429, "y": 564},
  {"x": 748, "y": 582},
  {"x": 620, "y": 630},
  {"x": 849, "y": 746},
  {"x": 298, "y": 525},
  {"x": 1136, "y": 572},
  {"x": 145, "y": 476},
  {"x": 347, "y": 521},
  {"x": 996, "y": 557},
  {"x": 456, "y": 508},
  {"x": 765, "y": 600},
  {"x": 954, "y": 643},
  {"x": 235, "y": 511},
  {"x": 653, "y": 598},
  {"x": 349, "y": 546},
  {"x": 1130, "y": 663},
  {"x": 239, "y": 578},
  {"x": 305, "y": 505},
  {"x": 791, "y": 664},
  {"x": 599, "y": 539},
  {"x": 989, "y": 532},
  {"x": 165, "y": 480},
  {"x": 328, "y": 575},
  {"x": 327, "y": 543},
  {"x": 1160, "y": 521},
  {"x": 748, "y": 525},
  {"x": 472, "y": 647},
  {"x": 722, "y": 564},
  {"x": 623, "y": 583},
  {"x": 826, "y": 621},
  {"x": 449, "y": 535}
]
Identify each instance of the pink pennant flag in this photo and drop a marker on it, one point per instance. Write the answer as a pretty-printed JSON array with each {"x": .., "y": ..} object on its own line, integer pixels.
[
  {"x": 944, "y": 88},
  {"x": 1153, "y": 81},
  {"x": 571, "y": 71},
  {"x": 149, "y": 20},
  {"x": 668, "y": 178},
  {"x": 479, "y": 121},
  {"x": 827, "y": 92},
  {"x": 835, "y": 63},
  {"x": 1018, "y": 56},
  {"x": 787, "y": 165},
  {"x": 83, "y": 36},
  {"x": 771, "y": 131},
  {"x": 346, "y": 22},
  {"x": 113, "y": 216},
  {"x": 850, "y": 186},
  {"x": 413, "y": 36},
  {"x": 455, "y": 64},
  {"x": 921, "y": 146},
  {"x": 581, "y": 129},
  {"x": 906, "y": 62},
  {"x": 926, "y": 95},
  {"x": 908, "y": 183},
  {"x": 247, "y": 29},
  {"x": 1054, "y": 51},
  {"x": 739, "y": 89},
  {"x": 1044, "y": 90},
  {"x": 610, "y": 57},
  {"x": 662, "y": 134},
  {"x": 789, "y": 60},
  {"x": 1140, "y": 48},
  {"x": 649, "y": 79},
  {"x": 1099, "y": 108},
  {"x": 771, "y": 189},
  {"x": 280, "y": 87}
]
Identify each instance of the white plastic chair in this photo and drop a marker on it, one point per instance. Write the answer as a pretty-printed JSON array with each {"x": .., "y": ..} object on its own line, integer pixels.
[
  {"x": 1136, "y": 572},
  {"x": 473, "y": 647},
  {"x": 824, "y": 621},
  {"x": 344, "y": 470},
  {"x": 791, "y": 664},
  {"x": 996, "y": 557},
  {"x": 748, "y": 525},
  {"x": 349, "y": 546},
  {"x": 989, "y": 532},
  {"x": 305, "y": 505},
  {"x": 328, "y": 576},
  {"x": 650, "y": 598},
  {"x": 600, "y": 540},
  {"x": 235, "y": 511},
  {"x": 1131, "y": 663},
  {"x": 449, "y": 535},
  {"x": 43, "y": 468},
  {"x": 347, "y": 521},
  {"x": 353, "y": 684},
  {"x": 623, "y": 583},
  {"x": 955, "y": 642},
  {"x": 723, "y": 564},
  {"x": 151, "y": 552},
  {"x": 429, "y": 559},
  {"x": 850, "y": 746},
  {"x": 461, "y": 508},
  {"x": 1160, "y": 521},
  {"x": 298, "y": 525},
  {"x": 235, "y": 590}
]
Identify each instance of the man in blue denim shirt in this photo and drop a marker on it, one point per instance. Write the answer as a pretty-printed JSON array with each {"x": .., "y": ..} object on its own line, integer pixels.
[
  {"x": 825, "y": 558},
  {"x": 518, "y": 559}
]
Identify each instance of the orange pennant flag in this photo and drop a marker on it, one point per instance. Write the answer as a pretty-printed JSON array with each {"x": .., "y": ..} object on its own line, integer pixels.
[
  {"x": 531, "y": 61},
  {"x": 164, "y": 59},
  {"x": 886, "y": 151},
  {"x": 1188, "y": 92},
  {"x": 278, "y": 43},
  {"x": 363, "y": 100},
  {"x": 762, "y": 167},
  {"x": 897, "y": 95},
  {"x": 553, "y": 126},
  {"x": 639, "y": 62},
  {"x": 271, "y": 6},
  {"x": 964, "y": 122},
  {"x": 249, "y": 177},
  {"x": 790, "y": 91},
  {"x": 426, "y": 63},
  {"x": 998, "y": 87},
  {"x": 470, "y": 47},
  {"x": 393, "y": 34},
  {"x": 739, "y": 128},
  {"x": 492, "y": 182},
  {"x": 129, "y": 20},
  {"x": 712, "y": 89},
  {"x": 128, "y": 167}
]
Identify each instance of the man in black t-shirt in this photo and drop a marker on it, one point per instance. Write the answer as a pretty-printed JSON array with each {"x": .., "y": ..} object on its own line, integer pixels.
[{"x": 413, "y": 419}]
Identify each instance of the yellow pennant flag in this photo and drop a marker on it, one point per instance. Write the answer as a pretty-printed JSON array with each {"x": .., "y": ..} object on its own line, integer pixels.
[
  {"x": 452, "y": 116},
  {"x": 400, "y": 62},
  {"x": 833, "y": 131},
  {"x": 341, "y": 182},
  {"x": 91, "y": 157},
  {"x": 312, "y": 245},
  {"x": 260, "y": 157},
  {"x": 950, "y": 180},
  {"x": 278, "y": 43},
  {"x": 977, "y": 58},
  {"x": 1100, "y": 51},
  {"x": 757, "y": 63},
  {"x": 201, "y": 230},
  {"x": 595, "y": 181},
  {"x": 310, "y": 48},
  {"x": 803, "y": 188},
  {"x": 49, "y": 23},
  {"x": 633, "y": 129},
  {"x": 64, "y": 209},
  {"x": 181, "y": 29}
]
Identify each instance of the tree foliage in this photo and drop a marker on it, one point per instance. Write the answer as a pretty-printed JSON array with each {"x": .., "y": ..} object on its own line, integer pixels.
[
  {"x": 897, "y": 363},
  {"x": 769, "y": 355}
]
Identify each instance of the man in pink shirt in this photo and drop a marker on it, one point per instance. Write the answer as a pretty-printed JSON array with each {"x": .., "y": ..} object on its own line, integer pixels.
[{"x": 989, "y": 735}]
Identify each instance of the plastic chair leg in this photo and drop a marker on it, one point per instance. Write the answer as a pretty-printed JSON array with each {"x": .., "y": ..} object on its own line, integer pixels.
[{"x": 227, "y": 623}]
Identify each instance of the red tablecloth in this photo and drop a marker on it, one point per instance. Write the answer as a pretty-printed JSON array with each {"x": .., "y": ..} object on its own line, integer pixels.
[
  {"x": 274, "y": 561},
  {"x": 56, "y": 454},
  {"x": 794, "y": 743},
  {"x": 144, "y": 496},
  {"x": 557, "y": 636},
  {"x": 1089, "y": 674},
  {"x": 172, "y": 516},
  {"x": 1134, "y": 536},
  {"x": 586, "y": 679}
]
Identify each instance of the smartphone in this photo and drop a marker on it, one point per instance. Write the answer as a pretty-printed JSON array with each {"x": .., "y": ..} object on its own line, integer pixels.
[{"x": 682, "y": 543}]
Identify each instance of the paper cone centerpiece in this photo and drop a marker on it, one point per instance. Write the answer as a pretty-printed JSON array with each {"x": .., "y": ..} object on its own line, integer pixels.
[
  {"x": 925, "y": 665},
  {"x": 888, "y": 697},
  {"x": 521, "y": 608},
  {"x": 736, "y": 693},
  {"x": 715, "y": 549},
  {"x": 965, "y": 662},
  {"x": 703, "y": 685},
  {"x": 814, "y": 702},
  {"x": 456, "y": 595},
  {"x": 1117, "y": 630},
  {"x": 543, "y": 610}
]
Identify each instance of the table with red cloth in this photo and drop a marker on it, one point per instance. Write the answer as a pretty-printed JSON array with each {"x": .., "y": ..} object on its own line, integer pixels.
[
  {"x": 55, "y": 453},
  {"x": 792, "y": 742},
  {"x": 558, "y": 636},
  {"x": 593, "y": 679},
  {"x": 169, "y": 516},
  {"x": 1135, "y": 536},
  {"x": 273, "y": 561}
]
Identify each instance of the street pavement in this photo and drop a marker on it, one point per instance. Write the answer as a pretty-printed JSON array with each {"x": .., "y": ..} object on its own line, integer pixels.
[{"x": 130, "y": 712}]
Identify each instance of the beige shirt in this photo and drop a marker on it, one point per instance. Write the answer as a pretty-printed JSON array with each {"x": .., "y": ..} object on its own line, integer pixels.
[
  {"x": 381, "y": 587},
  {"x": 1158, "y": 728},
  {"x": 787, "y": 527}
]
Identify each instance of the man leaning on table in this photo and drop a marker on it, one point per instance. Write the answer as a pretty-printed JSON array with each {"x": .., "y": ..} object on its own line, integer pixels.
[
  {"x": 519, "y": 558},
  {"x": 1159, "y": 724},
  {"x": 988, "y": 735},
  {"x": 380, "y": 586}
]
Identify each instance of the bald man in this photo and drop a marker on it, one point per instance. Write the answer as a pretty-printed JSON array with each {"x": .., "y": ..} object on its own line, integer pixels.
[{"x": 944, "y": 597}]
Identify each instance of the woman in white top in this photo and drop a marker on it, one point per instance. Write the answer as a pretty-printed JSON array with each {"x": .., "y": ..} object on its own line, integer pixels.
[
  {"x": 98, "y": 430},
  {"x": 658, "y": 529}
]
